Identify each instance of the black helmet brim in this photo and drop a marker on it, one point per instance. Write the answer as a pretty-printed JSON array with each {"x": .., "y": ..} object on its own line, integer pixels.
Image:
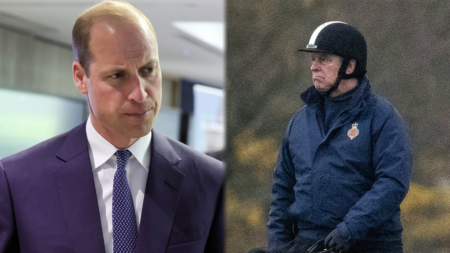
[{"x": 313, "y": 50}]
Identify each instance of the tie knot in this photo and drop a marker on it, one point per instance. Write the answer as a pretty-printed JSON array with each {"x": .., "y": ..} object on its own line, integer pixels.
[{"x": 122, "y": 157}]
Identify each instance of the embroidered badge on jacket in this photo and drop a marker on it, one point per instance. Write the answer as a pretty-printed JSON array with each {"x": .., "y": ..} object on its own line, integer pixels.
[{"x": 353, "y": 132}]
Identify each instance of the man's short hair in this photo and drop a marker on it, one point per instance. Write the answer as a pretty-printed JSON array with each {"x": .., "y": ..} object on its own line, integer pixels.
[{"x": 105, "y": 11}]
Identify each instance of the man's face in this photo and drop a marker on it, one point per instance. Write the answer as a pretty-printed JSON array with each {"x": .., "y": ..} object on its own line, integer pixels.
[
  {"x": 324, "y": 68},
  {"x": 124, "y": 86}
]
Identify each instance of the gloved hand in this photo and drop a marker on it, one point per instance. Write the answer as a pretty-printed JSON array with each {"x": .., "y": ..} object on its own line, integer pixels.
[{"x": 336, "y": 241}]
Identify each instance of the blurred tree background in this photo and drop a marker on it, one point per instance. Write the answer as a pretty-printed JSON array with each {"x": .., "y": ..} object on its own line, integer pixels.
[{"x": 408, "y": 63}]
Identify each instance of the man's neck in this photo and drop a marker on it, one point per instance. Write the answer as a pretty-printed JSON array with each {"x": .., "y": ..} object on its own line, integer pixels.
[{"x": 117, "y": 140}]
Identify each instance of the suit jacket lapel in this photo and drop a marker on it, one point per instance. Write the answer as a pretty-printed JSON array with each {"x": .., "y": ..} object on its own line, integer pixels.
[
  {"x": 164, "y": 184},
  {"x": 77, "y": 192}
]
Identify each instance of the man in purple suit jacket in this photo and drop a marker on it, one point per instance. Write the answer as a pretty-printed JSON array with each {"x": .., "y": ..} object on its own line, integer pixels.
[{"x": 56, "y": 196}]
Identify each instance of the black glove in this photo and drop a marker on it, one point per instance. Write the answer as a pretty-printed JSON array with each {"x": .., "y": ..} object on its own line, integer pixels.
[{"x": 336, "y": 242}]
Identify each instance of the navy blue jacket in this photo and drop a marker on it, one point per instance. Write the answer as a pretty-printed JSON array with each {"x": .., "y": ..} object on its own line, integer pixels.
[{"x": 325, "y": 180}]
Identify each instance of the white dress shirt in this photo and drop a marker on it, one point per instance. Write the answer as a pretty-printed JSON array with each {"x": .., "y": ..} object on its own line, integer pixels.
[{"x": 104, "y": 165}]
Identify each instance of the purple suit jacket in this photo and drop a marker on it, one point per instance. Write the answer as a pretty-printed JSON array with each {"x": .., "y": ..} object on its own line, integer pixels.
[{"x": 48, "y": 201}]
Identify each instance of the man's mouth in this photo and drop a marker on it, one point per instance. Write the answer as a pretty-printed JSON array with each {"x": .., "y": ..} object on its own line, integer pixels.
[{"x": 138, "y": 114}]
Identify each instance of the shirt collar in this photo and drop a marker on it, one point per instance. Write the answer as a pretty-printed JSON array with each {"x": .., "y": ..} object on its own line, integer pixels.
[{"x": 102, "y": 150}]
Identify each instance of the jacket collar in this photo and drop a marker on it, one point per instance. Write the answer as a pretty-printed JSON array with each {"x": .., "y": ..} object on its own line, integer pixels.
[
  {"x": 75, "y": 182},
  {"x": 162, "y": 194},
  {"x": 314, "y": 101}
]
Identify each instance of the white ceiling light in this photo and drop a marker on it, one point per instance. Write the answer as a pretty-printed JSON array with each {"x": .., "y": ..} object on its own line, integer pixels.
[{"x": 212, "y": 33}]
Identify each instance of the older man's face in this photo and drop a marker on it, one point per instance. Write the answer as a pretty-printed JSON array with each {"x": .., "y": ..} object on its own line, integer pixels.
[
  {"x": 124, "y": 86},
  {"x": 324, "y": 68}
]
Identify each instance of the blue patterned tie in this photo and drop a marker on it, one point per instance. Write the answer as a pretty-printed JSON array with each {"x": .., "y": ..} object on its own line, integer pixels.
[{"x": 125, "y": 232}]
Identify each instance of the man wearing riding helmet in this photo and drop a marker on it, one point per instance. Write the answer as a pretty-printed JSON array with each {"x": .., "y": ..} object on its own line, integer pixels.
[{"x": 345, "y": 160}]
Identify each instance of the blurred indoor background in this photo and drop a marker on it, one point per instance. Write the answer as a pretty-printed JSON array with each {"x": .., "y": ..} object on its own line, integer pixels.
[
  {"x": 408, "y": 63},
  {"x": 38, "y": 98}
]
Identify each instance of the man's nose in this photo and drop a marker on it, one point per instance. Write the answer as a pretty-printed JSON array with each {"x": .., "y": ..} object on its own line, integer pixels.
[
  {"x": 138, "y": 92},
  {"x": 314, "y": 65}
]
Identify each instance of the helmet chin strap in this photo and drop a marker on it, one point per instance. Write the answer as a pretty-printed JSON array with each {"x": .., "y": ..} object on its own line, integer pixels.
[{"x": 341, "y": 75}]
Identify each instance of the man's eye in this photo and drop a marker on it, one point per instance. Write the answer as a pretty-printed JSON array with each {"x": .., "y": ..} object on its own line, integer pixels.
[
  {"x": 117, "y": 75},
  {"x": 148, "y": 70}
]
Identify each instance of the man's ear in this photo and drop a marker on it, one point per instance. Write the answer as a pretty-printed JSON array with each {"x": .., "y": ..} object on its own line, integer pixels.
[
  {"x": 351, "y": 67},
  {"x": 79, "y": 77}
]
